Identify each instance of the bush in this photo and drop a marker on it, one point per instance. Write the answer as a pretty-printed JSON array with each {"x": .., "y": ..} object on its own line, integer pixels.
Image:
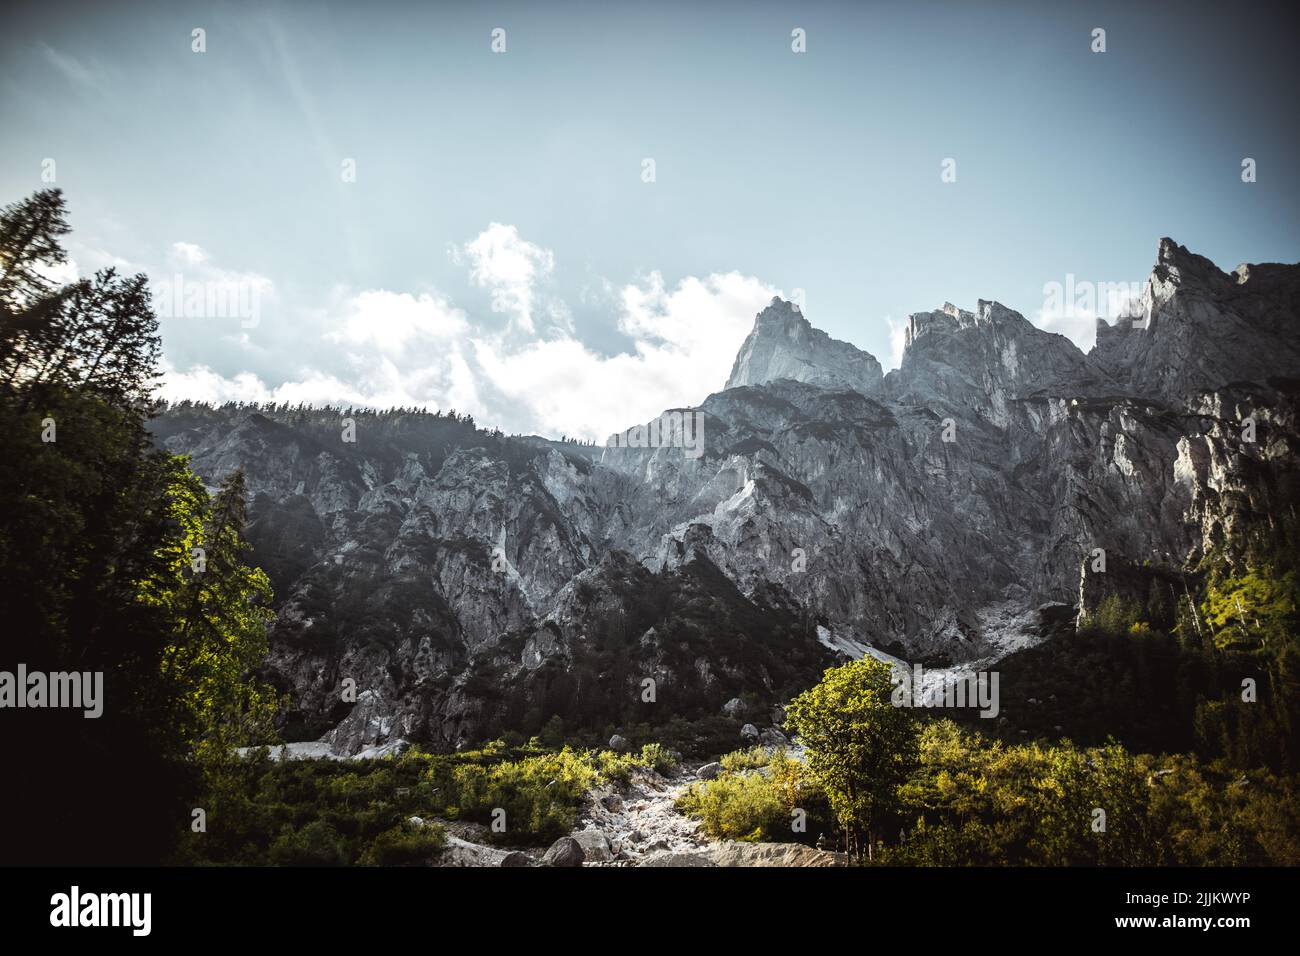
[
  {"x": 755, "y": 798},
  {"x": 539, "y": 795},
  {"x": 405, "y": 845},
  {"x": 737, "y": 806},
  {"x": 657, "y": 757},
  {"x": 316, "y": 844},
  {"x": 752, "y": 759}
]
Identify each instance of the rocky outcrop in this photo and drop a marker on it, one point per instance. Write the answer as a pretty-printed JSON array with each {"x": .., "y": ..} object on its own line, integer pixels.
[
  {"x": 985, "y": 361},
  {"x": 776, "y": 854},
  {"x": 1197, "y": 328},
  {"x": 783, "y": 344}
]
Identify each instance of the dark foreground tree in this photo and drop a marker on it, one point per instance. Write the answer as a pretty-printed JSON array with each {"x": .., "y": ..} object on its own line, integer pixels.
[{"x": 98, "y": 573}]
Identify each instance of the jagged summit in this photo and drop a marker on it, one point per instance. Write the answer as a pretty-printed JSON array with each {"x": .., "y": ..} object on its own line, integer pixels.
[
  {"x": 1197, "y": 327},
  {"x": 984, "y": 359},
  {"x": 783, "y": 344},
  {"x": 471, "y": 582}
]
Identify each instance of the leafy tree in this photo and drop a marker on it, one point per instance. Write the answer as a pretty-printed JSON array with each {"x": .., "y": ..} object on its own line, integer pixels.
[
  {"x": 96, "y": 527},
  {"x": 860, "y": 745}
]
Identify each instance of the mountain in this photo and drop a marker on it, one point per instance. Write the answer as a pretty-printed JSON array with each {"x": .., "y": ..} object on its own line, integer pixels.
[
  {"x": 783, "y": 344},
  {"x": 470, "y": 583},
  {"x": 1196, "y": 327}
]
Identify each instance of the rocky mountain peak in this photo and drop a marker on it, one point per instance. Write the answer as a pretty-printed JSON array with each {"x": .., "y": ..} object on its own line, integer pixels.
[
  {"x": 783, "y": 344},
  {"x": 1197, "y": 327},
  {"x": 437, "y": 564}
]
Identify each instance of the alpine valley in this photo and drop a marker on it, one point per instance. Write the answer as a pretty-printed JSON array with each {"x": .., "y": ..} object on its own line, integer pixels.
[{"x": 975, "y": 503}]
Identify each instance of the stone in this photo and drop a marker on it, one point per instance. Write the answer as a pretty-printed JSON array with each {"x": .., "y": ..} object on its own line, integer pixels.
[
  {"x": 776, "y": 854},
  {"x": 619, "y": 744},
  {"x": 749, "y": 734},
  {"x": 565, "y": 851},
  {"x": 709, "y": 771},
  {"x": 595, "y": 845}
]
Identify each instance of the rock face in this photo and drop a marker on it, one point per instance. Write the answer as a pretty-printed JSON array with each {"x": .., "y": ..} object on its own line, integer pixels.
[
  {"x": 1197, "y": 328},
  {"x": 471, "y": 583},
  {"x": 776, "y": 854},
  {"x": 784, "y": 345}
]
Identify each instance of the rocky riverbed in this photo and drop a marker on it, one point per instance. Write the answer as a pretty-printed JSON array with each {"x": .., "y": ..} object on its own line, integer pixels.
[{"x": 632, "y": 825}]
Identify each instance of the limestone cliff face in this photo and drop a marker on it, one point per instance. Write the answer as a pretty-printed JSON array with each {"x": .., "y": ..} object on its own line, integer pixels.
[
  {"x": 784, "y": 345},
  {"x": 471, "y": 583},
  {"x": 1197, "y": 328}
]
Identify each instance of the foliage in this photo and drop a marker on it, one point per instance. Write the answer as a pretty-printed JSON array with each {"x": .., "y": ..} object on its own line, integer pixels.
[
  {"x": 755, "y": 799},
  {"x": 860, "y": 746},
  {"x": 257, "y": 803},
  {"x": 407, "y": 844},
  {"x": 737, "y": 806},
  {"x": 96, "y": 526}
]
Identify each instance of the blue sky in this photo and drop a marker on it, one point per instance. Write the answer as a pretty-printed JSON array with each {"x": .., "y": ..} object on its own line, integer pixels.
[{"x": 499, "y": 250}]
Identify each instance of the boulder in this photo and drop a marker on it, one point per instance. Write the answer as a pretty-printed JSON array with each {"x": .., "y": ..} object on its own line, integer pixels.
[
  {"x": 775, "y": 854},
  {"x": 771, "y": 737},
  {"x": 566, "y": 851},
  {"x": 734, "y": 707},
  {"x": 677, "y": 859},
  {"x": 619, "y": 744},
  {"x": 709, "y": 771},
  {"x": 460, "y": 852},
  {"x": 749, "y": 734},
  {"x": 595, "y": 845}
]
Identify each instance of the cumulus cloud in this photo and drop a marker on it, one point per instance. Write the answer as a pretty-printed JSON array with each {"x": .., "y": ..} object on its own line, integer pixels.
[
  {"x": 510, "y": 267},
  {"x": 391, "y": 320},
  {"x": 684, "y": 342},
  {"x": 382, "y": 348}
]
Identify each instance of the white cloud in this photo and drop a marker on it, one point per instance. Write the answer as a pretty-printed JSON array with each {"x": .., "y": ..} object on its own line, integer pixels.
[
  {"x": 897, "y": 342},
  {"x": 383, "y": 348},
  {"x": 1079, "y": 327},
  {"x": 390, "y": 320},
  {"x": 69, "y": 66},
  {"x": 187, "y": 253},
  {"x": 510, "y": 266},
  {"x": 1073, "y": 307},
  {"x": 61, "y": 273}
]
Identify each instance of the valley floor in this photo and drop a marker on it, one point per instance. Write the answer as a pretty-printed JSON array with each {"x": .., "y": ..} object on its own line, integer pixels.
[{"x": 637, "y": 825}]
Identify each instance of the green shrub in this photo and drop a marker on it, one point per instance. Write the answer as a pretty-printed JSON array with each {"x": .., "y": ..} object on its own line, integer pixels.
[
  {"x": 657, "y": 757},
  {"x": 739, "y": 806},
  {"x": 316, "y": 844},
  {"x": 405, "y": 845},
  {"x": 754, "y": 758}
]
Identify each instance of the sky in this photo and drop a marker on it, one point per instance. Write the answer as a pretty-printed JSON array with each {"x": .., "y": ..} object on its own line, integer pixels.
[{"x": 369, "y": 204}]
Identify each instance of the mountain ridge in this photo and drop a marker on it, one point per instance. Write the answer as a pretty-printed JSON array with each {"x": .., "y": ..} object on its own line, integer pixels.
[{"x": 437, "y": 564}]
